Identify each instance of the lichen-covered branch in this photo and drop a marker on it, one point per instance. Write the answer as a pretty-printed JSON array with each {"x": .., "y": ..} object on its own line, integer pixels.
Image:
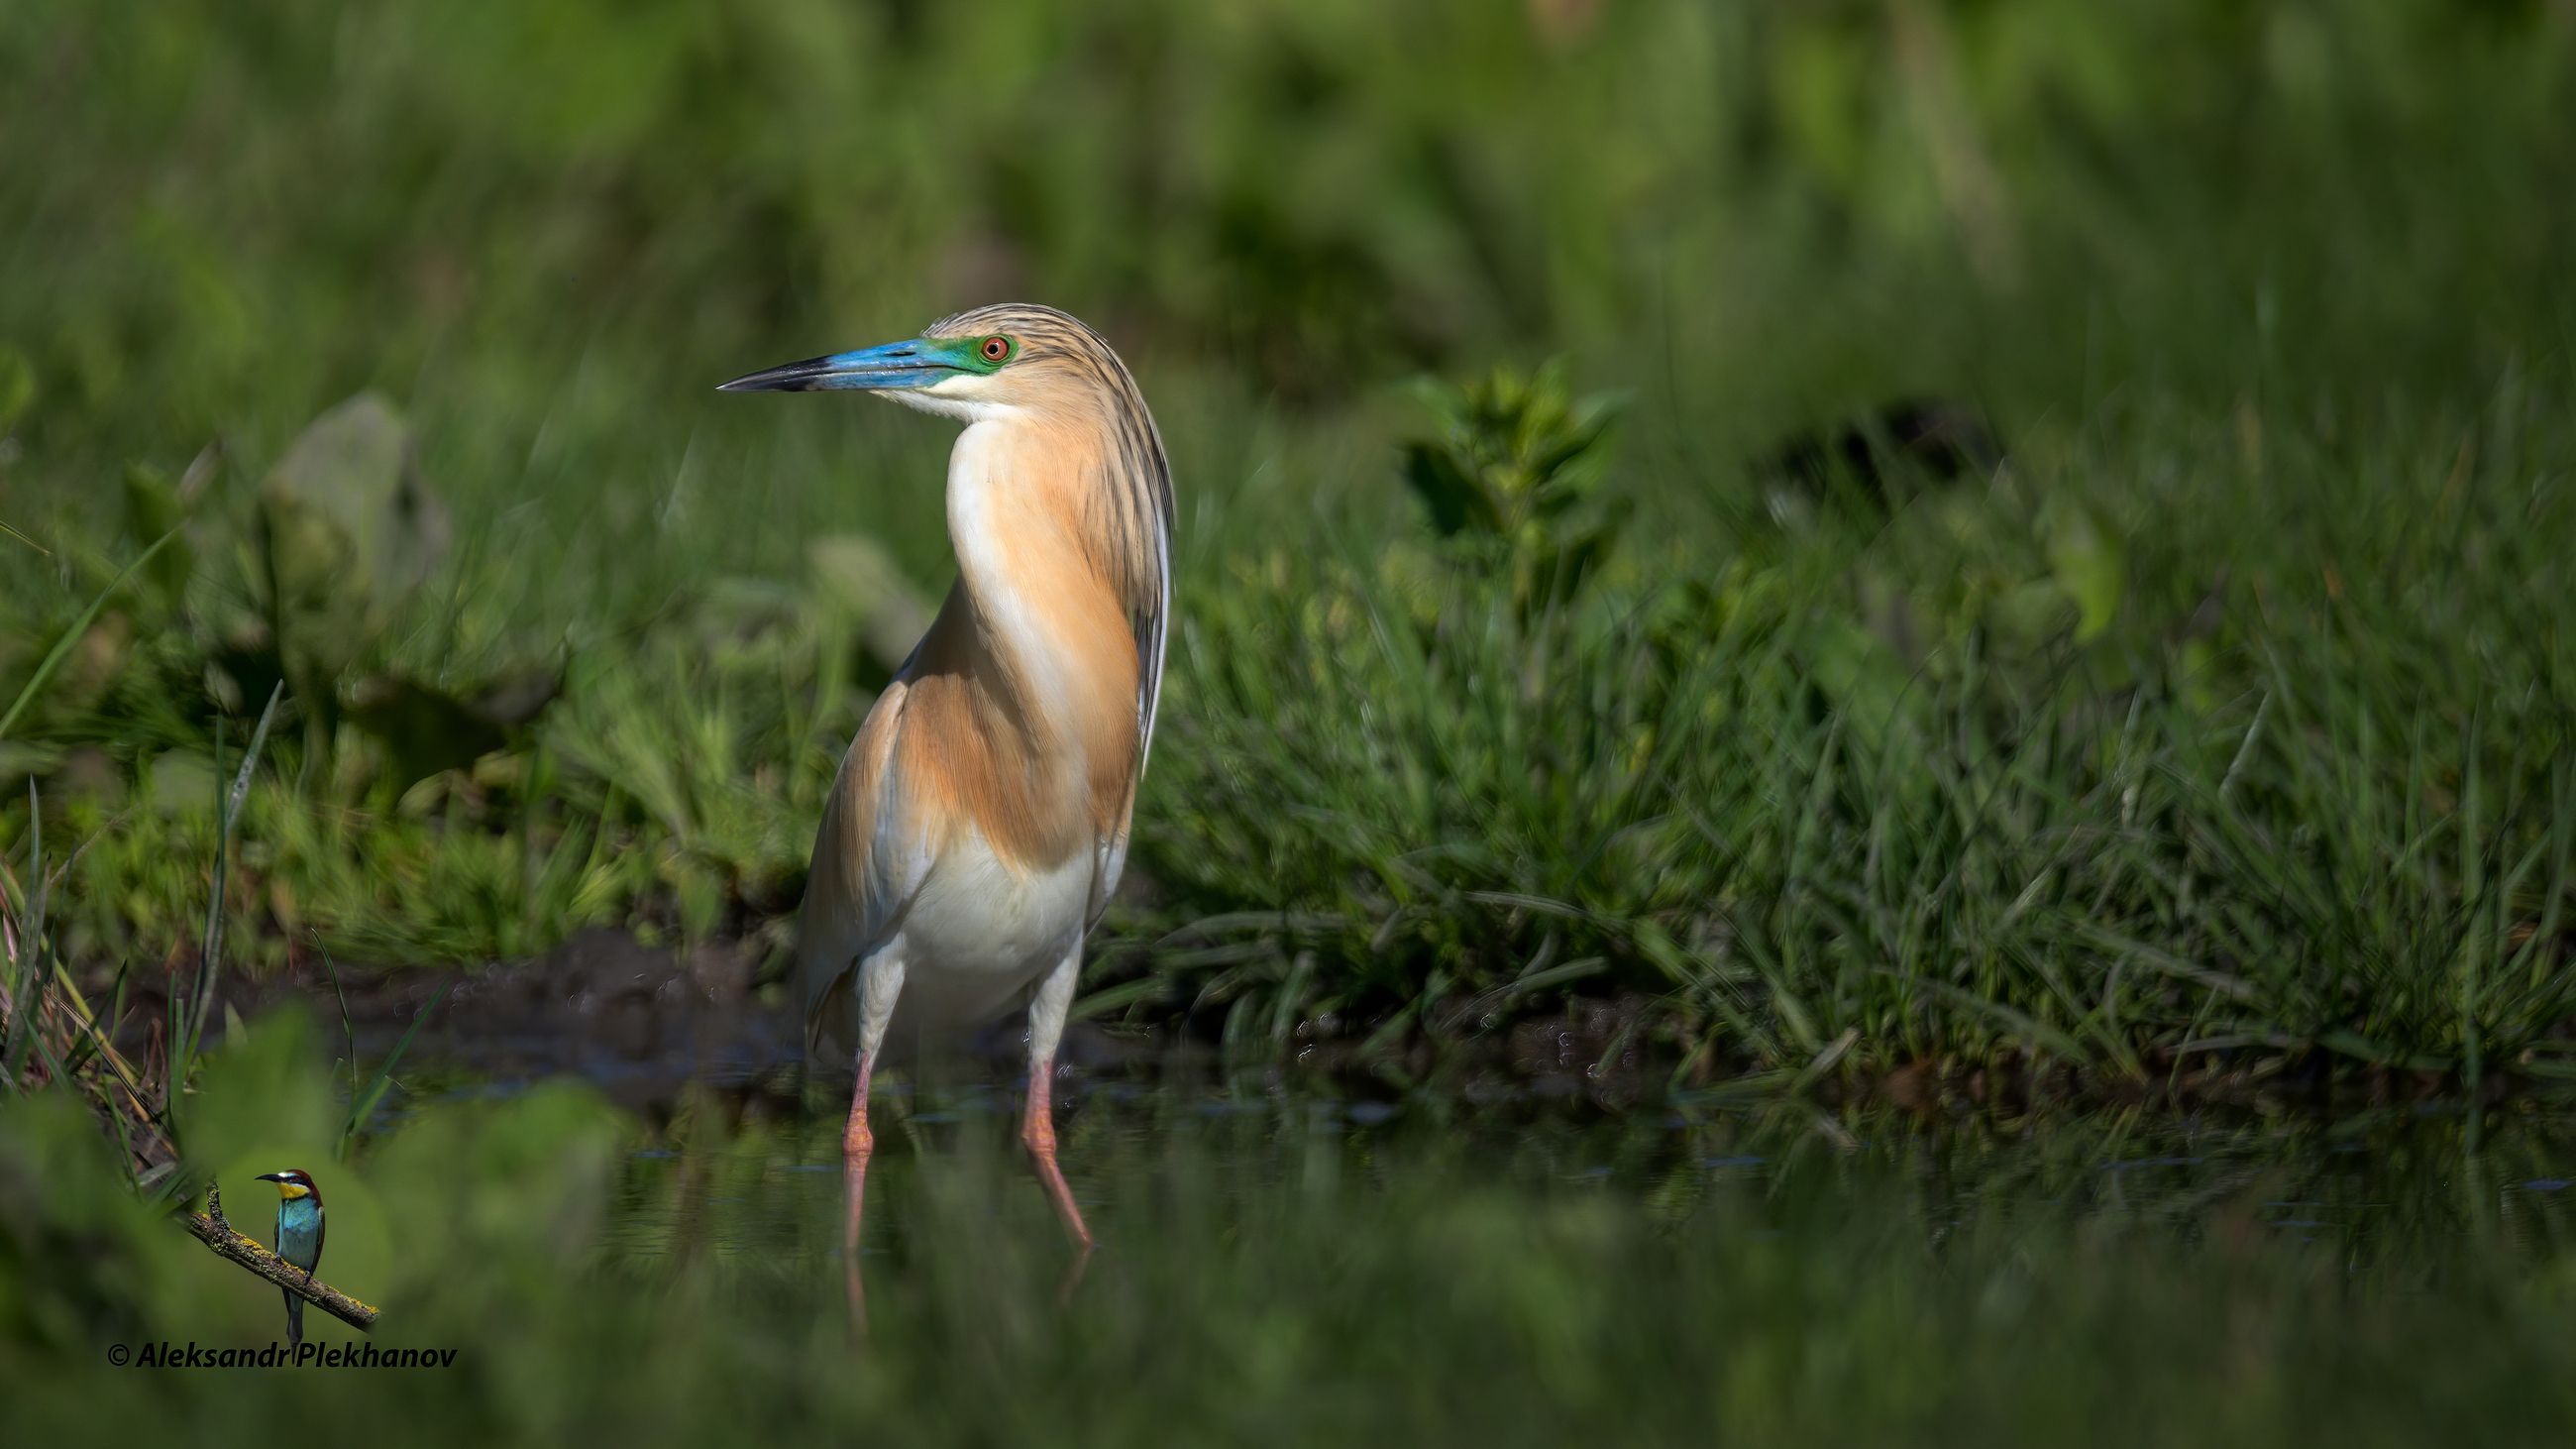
[{"x": 229, "y": 1244}]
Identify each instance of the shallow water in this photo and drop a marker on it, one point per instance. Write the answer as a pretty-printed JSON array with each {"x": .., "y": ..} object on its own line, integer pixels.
[
  {"x": 1291, "y": 1257},
  {"x": 714, "y": 1072},
  {"x": 2407, "y": 1186}
]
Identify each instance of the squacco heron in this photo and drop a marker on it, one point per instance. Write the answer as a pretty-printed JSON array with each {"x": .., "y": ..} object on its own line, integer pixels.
[{"x": 980, "y": 818}]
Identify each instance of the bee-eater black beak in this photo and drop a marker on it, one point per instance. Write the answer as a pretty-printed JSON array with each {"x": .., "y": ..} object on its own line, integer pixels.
[{"x": 270, "y": 1177}]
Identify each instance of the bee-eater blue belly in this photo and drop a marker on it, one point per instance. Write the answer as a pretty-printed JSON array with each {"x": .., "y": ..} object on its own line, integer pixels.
[{"x": 299, "y": 1241}]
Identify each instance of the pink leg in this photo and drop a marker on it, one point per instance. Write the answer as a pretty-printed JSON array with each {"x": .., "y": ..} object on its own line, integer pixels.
[
  {"x": 1037, "y": 1130},
  {"x": 857, "y": 1143}
]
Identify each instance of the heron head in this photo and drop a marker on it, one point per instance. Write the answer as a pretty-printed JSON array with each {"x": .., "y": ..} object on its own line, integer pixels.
[
  {"x": 1008, "y": 358},
  {"x": 292, "y": 1183}
]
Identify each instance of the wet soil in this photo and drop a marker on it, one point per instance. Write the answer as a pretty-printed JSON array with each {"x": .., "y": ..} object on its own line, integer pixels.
[
  {"x": 639, "y": 1021},
  {"x": 643, "y": 1023}
]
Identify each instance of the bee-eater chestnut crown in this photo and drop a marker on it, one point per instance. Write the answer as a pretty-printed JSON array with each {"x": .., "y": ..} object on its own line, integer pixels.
[{"x": 292, "y": 1182}]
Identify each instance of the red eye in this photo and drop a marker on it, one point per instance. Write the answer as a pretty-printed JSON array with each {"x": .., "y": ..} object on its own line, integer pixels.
[{"x": 996, "y": 348}]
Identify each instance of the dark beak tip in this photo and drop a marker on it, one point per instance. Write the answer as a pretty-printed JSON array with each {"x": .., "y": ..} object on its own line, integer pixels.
[{"x": 786, "y": 377}]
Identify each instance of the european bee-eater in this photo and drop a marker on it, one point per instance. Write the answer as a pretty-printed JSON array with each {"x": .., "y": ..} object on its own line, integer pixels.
[
  {"x": 299, "y": 1235},
  {"x": 980, "y": 818}
]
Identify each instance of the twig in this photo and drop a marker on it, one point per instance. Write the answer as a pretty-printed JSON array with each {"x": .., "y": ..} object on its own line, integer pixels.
[{"x": 230, "y": 1245}]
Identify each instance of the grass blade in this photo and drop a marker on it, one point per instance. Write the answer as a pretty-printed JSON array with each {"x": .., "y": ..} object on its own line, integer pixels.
[
  {"x": 210, "y": 959},
  {"x": 62, "y": 647},
  {"x": 27, "y": 1004}
]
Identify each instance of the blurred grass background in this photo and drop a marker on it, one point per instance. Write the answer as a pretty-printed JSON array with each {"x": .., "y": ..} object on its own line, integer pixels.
[{"x": 2225, "y": 723}]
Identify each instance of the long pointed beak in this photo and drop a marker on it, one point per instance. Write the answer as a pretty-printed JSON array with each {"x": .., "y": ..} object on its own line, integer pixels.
[
  {"x": 872, "y": 369},
  {"x": 270, "y": 1177}
]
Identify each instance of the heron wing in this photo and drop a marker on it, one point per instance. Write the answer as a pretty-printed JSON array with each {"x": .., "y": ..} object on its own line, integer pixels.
[
  {"x": 1109, "y": 852},
  {"x": 1149, "y": 611},
  {"x": 1149, "y": 622},
  {"x": 869, "y": 862}
]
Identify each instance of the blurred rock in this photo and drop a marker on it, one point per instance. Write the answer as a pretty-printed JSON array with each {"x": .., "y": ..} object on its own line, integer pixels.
[
  {"x": 351, "y": 530},
  {"x": 87, "y": 772},
  {"x": 181, "y": 782}
]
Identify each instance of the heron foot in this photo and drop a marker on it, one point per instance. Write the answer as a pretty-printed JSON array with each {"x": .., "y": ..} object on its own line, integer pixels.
[{"x": 1037, "y": 1133}]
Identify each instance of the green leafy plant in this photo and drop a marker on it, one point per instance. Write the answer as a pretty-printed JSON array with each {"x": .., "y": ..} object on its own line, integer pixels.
[{"x": 1512, "y": 482}]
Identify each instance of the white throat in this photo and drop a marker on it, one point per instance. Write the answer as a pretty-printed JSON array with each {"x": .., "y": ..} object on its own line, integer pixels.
[
  {"x": 990, "y": 523},
  {"x": 950, "y": 397}
]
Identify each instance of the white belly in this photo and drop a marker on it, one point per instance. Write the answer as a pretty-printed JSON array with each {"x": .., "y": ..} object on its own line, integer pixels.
[{"x": 981, "y": 933}]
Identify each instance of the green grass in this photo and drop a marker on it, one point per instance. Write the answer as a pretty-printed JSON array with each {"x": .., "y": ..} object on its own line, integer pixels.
[
  {"x": 2334, "y": 815},
  {"x": 2226, "y": 730}
]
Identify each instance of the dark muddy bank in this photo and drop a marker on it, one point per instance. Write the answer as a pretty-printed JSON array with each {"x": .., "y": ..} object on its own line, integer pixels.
[{"x": 643, "y": 1022}]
